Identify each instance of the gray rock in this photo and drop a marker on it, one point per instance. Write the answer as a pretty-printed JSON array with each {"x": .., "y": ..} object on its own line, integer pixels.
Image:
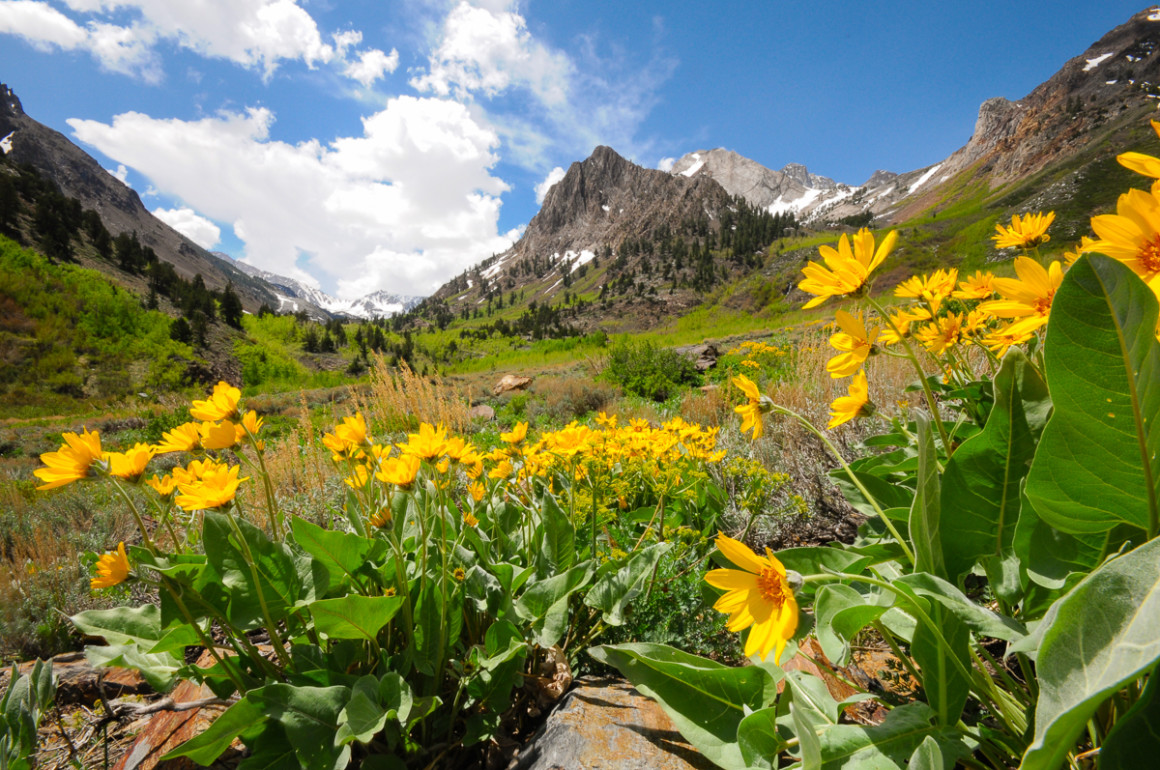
[
  {"x": 605, "y": 724},
  {"x": 481, "y": 412}
]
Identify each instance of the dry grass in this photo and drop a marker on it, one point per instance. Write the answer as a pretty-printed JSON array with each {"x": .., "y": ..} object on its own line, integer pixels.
[{"x": 401, "y": 399}]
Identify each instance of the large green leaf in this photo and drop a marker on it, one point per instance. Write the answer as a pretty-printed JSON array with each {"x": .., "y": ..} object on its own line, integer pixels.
[
  {"x": 207, "y": 747},
  {"x": 268, "y": 574},
  {"x": 943, "y": 656},
  {"x": 1134, "y": 742},
  {"x": 122, "y": 625},
  {"x": 545, "y": 603},
  {"x": 888, "y": 745},
  {"x": 557, "y": 537},
  {"x": 354, "y": 616},
  {"x": 925, "y": 511},
  {"x": 981, "y": 484},
  {"x": 612, "y": 593},
  {"x": 309, "y": 716},
  {"x": 1098, "y": 463},
  {"x": 343, "y": 553},
  {"x": 706, "y": 700},
  {"x": 840, "y": 612},
  {"x": 1100, "y": 636}
]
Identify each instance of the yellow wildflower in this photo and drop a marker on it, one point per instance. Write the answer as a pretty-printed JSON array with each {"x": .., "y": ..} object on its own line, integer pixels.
[
  {"x": 1132, "y": 235},
  {"x": 183, "y": 438},
  {"x": 1025, "y": 232},
  {"x": 400, "y": 471},
  {"x": 856, "y": 404},
  {"x": 221, "y": 405},
  {"x": 758, "y": 595},
  {"x": 855, "y": 342},
  {"x": 72, "y": 462},
  {"x": 517, "y": 434},
  {"x": 932, "y": 288},
  {"x": 130, "y": 465},
  {"x": 981, "y": 285},
  {"x": 217, "y": 487},
  {"x": 757, "y": 405},
  {"x": 1015, "y": 333},
  {"x": 847, "y": 269},
  {"x": 219, "y": 435},
  {"x": 1030, "y": 295},
  {"x": 430, "y": 442},
  {"x": 164, "y": 486},
  {"x": 942, "y": 334},
  {"x": 112, "y": 569}
]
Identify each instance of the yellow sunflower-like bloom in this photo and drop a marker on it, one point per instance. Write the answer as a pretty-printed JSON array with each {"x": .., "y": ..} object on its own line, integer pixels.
[
  {"x": 847, "y": 269},
  {"x": 430, "y": 442},
  {"x": 163, "y": 486},
  {"x": 216, "y": 487},
  {"x": 1001, "y": 339},
  {"x": 477, "y": 491},
  {"x": 518, "y": 434},
  {"x": 856, "y": 404},
  {"x": 757, "y": 596},
  {"x": 942, "y": 334},
  {"x": 932, "y": 288},
  {"x": 112, "y": 569},
  {"x": 502, "y": 470},
  {"x": 400, "y": 471},
  {"x": 221, "y": 405},
  {"x": 1132, "y": 235},
  {"x": 219, "y": 435},
  {"x": 72, "y": 462},
  {"x": 381, "y": 517},
  {"x": 901, "y": 321},
  {"x": 249, "y": 426},
  {"x": 358, "y": 477},
  {"x": 856, "y": 343},
  {"x": 183, "y": 438},
  {"x": 981, "y": 285},
  {"x": 752, "y": 411},
  {"x": 1030, "y": 295},
  {"x": 470, "y": 520},
  {"x": 130, "y": 464},
  {"x": 606, "y": 421},
  {"x": 1025, "y": 232}
]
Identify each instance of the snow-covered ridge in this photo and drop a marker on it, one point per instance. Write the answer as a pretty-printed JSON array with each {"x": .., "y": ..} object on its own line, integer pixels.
[
  {"x": 1097, "y": 61},
  {"x": 294, "y": 296}
]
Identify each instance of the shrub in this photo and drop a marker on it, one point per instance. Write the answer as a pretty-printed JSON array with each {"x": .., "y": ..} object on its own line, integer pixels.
[{"x": 648, "y": 371}]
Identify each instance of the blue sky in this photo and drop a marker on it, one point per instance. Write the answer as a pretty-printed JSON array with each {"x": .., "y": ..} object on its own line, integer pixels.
[{"x": 389, "y": 145}]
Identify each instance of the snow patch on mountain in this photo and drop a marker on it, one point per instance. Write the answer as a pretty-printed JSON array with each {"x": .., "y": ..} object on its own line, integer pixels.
[{"x": 6, "y": 143}]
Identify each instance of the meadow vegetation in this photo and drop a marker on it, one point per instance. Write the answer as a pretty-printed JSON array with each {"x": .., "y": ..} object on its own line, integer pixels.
[{"x": 958, "y": 475}]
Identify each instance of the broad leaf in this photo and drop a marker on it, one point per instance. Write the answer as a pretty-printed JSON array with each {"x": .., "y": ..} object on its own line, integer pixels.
[
  {"x": 207, "y": 747},
  {"x": 925, "y": 513},
  {"x": 545, "y": 603},
  {"x": 309, "y": 715},
  {"x": 887, "y": 745},
  {"x": 1099, "y": 637},
  {"x": 706, "y": 700},
  {"x": 936, "y": 651},
  {"x": 1098, "y": 463},
  {"x": 122, "y": 625},
  {"x": 840, "y": 613},
  {"x": 343, "y": 553},
  {"x": 271, "y": 577},
  {"x": 354, "y": 616},
  {"x": 981, "y": 484},
  {"x": 616, "y": 589},
  {"x": 557, "y": 537}
]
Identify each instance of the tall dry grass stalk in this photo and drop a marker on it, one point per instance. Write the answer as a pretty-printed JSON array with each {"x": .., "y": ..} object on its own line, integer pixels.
[{"x": 401, "y": 399}]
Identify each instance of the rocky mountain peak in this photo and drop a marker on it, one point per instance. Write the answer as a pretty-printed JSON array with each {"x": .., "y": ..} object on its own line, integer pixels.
[
  {"x": 9, "y": 102},
  {"x": 800, "y": 174}
]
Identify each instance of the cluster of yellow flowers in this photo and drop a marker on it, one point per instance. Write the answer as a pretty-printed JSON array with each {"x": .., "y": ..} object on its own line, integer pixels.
[
  {"x": 203, "y": 484},
  {"x": 578, "y": 449}
]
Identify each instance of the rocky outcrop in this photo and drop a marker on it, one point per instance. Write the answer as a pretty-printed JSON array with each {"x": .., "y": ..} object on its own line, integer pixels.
[{"x": 607, "y": 724}]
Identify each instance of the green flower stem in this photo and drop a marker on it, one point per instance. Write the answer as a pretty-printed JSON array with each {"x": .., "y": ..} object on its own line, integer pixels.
[
  {"x": 930, "y": 401},
  {"x": 271, "y": 626},
  {"x": 849, "y": 473},
  {"x": 206, "y": 642},
  {"x": 148, "y": 542},
  {"x": 271, "y": 499}
]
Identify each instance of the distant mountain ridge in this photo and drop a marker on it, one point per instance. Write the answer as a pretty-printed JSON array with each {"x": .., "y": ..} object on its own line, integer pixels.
[{"x": 294, "y": 296}]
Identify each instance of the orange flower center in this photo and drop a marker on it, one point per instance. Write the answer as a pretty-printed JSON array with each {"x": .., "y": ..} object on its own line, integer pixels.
[
  {"x": 1043, "y": 304},
  {"x": 1149, "y": 255},
  {"x": 772, "y": 586}
]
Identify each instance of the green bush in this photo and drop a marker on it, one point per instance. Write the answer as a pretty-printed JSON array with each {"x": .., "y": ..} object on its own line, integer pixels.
[{"x": 648, "y": 371}]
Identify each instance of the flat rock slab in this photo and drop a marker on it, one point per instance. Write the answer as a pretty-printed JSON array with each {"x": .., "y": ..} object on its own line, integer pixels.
[{"x": 605, "y": 724}]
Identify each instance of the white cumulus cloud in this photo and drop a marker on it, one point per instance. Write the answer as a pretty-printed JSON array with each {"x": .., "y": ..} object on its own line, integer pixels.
[
  {"x": 555, "y": 175},
  {"x": 666, "y": 164},
  {"x": 192, "y": 225},
  {"x": 371, "y": 65},
  {"x": 404, "y": 206}
]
